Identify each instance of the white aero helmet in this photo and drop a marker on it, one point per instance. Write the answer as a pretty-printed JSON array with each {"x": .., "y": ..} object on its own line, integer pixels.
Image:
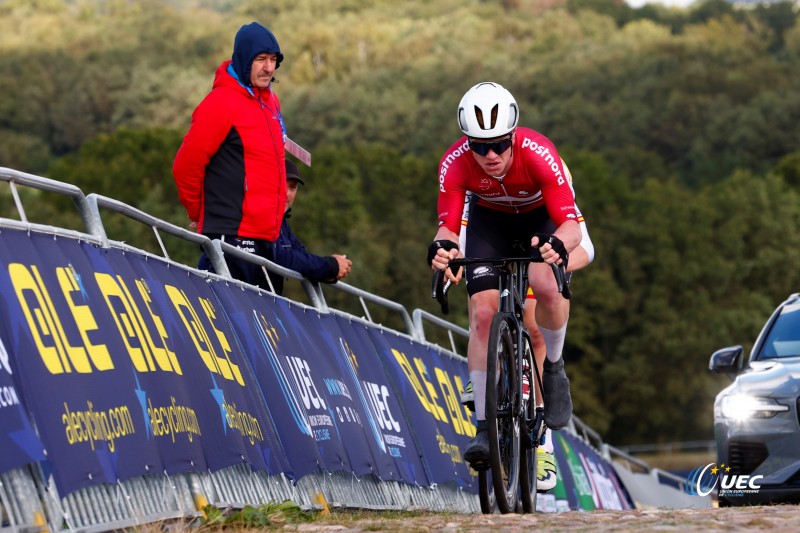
[{"x": 487, "y": 111}]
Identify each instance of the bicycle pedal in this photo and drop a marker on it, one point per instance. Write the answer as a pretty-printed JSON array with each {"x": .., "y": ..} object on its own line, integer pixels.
[{"x": 480, "y": 465}]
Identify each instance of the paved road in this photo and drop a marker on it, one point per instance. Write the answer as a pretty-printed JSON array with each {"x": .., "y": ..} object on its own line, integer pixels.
[{"x": 775, "y": 519}]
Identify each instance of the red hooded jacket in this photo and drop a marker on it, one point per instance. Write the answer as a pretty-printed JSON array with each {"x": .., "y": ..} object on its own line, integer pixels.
[{"x": 230, "y": 168}]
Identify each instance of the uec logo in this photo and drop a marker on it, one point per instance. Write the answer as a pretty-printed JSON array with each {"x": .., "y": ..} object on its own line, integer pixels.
[{"x": 702, "y": 481}]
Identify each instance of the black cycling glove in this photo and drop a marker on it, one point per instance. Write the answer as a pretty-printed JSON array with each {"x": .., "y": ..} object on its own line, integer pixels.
[
  {"x": 435, "y": 245},
  {"x": 556, "y": 243}
]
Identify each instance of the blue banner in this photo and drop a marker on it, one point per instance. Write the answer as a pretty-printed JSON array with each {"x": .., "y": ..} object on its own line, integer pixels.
[
  {"x": 429, "y": 385},
  {"x": 121, "y": 365},
  {"x": 129, "y": 366},
  {"x": 391, "y": 437},
  {"x": 18, "y": 441}
]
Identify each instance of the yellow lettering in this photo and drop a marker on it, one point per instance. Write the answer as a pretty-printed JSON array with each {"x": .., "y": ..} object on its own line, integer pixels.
[
  {"x": 149, "y": 349},
  {"x": 225, "y": 365},
  {"x": 38, "y": 317},
  {"x": 76, "y": 354},
  {"x": 115, "y": 297},
  {"x": 437, "y": 411},
  {"x": 463, "y": 413},
  {"x": 199, "y": 336},
  {"x": 408, "y": 370},
  {"x": 452, "y": 402},
  {"x": 164, "y": 352},
  {"x": 84, "y": 321}
]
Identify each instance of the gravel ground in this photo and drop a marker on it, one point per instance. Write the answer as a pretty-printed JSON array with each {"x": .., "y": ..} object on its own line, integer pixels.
[{"x": 777, "y": 518}]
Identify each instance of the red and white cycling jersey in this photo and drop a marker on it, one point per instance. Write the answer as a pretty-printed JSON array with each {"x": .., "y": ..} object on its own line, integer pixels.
[{"x": 536, "y": 177}]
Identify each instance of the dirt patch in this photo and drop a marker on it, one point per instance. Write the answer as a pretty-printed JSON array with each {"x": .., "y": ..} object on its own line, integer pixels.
[{"x": 777, "y": 518}]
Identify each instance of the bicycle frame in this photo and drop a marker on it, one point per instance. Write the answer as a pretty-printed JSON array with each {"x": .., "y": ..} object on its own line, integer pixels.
[{"x": 512, "y": 286}]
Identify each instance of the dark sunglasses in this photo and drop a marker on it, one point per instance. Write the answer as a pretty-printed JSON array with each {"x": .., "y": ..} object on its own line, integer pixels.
[{"x": 498, "y": 147}]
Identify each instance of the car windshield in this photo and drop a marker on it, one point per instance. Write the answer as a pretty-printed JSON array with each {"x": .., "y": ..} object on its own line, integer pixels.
[{"x": 783, "y": 339}]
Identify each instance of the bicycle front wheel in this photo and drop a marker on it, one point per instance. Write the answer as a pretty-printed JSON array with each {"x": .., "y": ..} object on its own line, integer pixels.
[
  {"x": 530, "y": 440},
  {"x": 486, "y": 492},
  {"x": 503, "y": 406}
]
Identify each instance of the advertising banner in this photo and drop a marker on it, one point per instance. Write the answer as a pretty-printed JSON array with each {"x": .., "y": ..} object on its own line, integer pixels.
[
  {"x": 18, "y": 441},
  {"x": 128, "y": 367},
  {"x": 429, "y": 384},
  {"x": 392, "y": 436},
  {"x": 585, "y": 479},
  {"x": 122, "y": 365}
]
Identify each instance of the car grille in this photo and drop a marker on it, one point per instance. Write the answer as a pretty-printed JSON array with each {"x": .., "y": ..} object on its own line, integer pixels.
[{"x": 744, "y": 457}]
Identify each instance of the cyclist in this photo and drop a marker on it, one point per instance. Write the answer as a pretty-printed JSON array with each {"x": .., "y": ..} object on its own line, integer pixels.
[
  {"x": 580, "y": 257},
  {"x": 524, "y": 198}
]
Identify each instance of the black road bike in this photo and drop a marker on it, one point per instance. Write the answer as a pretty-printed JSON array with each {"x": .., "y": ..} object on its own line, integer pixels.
[{"x": 516, "y": 425}]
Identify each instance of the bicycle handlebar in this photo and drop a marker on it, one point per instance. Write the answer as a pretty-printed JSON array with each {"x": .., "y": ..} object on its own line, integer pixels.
[{"x": 440, "y": 287}]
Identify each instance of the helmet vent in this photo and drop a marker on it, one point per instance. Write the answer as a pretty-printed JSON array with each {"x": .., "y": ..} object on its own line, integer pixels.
[
  {"x": 513, "y": 116},
  {"x": 482, "y": 122}
]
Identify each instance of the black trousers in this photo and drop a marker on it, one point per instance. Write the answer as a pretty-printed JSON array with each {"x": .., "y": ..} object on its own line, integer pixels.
[{"x": 241, "y": 269}]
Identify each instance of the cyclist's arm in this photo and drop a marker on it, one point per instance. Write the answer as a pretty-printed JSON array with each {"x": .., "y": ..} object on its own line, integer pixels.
[
  {"x": 443, "y": 257},
  {"x": 578, "y": 258},
  {"x": 569, "y": 233},
  {"x": 584, "y": 253}
]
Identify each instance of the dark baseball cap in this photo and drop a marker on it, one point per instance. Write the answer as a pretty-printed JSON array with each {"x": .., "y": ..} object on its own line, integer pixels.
[{"x": 292, "y": 173}]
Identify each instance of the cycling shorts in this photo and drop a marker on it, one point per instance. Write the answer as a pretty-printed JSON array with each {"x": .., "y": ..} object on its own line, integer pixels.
[{"x": 493, "y": 233}]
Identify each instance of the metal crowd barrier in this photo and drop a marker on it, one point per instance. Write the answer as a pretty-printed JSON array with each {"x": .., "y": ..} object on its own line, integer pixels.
[{"x": 29, "y": 500}]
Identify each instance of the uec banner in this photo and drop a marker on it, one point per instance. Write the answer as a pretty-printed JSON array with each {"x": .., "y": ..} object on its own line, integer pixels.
[
  {"x": 115, "y": 365},
  {"x": 129, "y": 366},
  {"x": 18, "y": 441}
]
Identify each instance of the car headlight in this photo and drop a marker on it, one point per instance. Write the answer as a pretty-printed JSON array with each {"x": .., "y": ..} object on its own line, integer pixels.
[{"x": 743, "y": 407}]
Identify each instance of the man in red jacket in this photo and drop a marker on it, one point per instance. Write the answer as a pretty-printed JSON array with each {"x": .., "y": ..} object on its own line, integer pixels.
[{"x": 230, "y": 168}]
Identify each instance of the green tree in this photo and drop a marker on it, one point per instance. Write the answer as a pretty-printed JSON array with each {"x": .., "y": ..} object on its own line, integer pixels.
[{"x": 134, "y": 167}]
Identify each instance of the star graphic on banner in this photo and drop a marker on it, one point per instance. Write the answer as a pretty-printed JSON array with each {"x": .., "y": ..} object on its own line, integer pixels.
[
  {"x": 142, "y": 396},
  {"x": 27, "y": 439},
  {"x": 219, "y": 396},
  {"x": 728, "y": 469},
  {"x": 280, "y": 323},
  {"x": 79, "y": 282},
  {"x": 350, "y": 354},
  {"x": 714, "y": 470}
]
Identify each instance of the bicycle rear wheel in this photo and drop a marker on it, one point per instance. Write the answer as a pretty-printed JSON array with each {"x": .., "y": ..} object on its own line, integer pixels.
[{"x": 503, "y": 413}]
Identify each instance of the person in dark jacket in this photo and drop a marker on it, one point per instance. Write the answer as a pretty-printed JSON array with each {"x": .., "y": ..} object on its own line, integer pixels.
[
  {"x": 230, "y": 169},
  {"x": 292, "y": 254}
]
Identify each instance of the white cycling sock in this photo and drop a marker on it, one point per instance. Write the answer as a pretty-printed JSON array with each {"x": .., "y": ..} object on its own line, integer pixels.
[
  {"x": 478, "y": 378},
  {"x": 548, "y": 441},
  {"x": 554, "y": 342}
]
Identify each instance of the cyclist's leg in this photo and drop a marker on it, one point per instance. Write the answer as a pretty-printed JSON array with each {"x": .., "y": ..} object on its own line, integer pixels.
[
  {"x": 552, "y": 313},
  {"x": 537, "y": 341},
  {"x": 483, "y": 235},
  {"x": 546, "y": 470},
  {"x": 483, "y": 306}
]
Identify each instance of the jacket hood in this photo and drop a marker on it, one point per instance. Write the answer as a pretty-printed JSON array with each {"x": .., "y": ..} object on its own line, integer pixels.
[{"x": 252, "y": 39}]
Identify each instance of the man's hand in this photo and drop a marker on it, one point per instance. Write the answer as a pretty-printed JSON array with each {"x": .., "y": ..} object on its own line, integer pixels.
[
  {"x": 440, "y": 252},
  {"x": 344, "y": 265},
  {"x": 551, "y": 248}
]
